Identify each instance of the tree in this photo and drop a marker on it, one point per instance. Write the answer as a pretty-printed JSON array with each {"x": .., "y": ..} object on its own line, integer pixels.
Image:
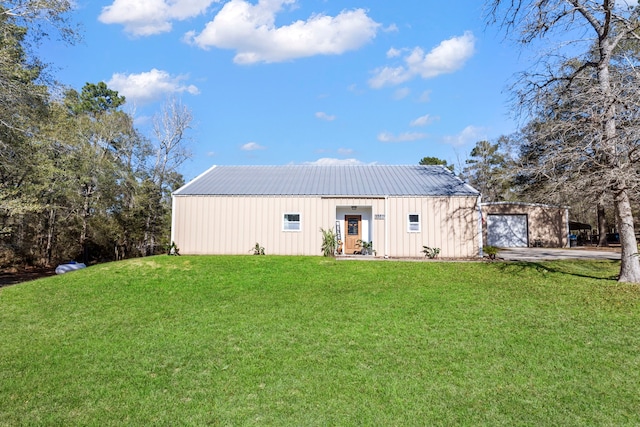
[
  {"x": 169, "y": 128},
  {"x": 435, "y": 161},
  {"x": 487, "y": 170},
  {"x": 94, "y": 99},
  {"x": 23, "y": 93},
  {"x": 99, "y": 125},
  {"x": 41, "y": 16},
  {"x": 24, "y": 112},
  {"x": 584, "y": 107}
]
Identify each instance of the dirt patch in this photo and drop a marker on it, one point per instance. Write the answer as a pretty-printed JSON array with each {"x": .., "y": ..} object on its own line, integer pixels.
[{"x": 13, "y": 277}]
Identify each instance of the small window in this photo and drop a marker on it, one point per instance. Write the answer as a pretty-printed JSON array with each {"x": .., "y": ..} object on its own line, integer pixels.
[
  {"x": 413, "y": 225},
  {"x": 291, "y": 222},
  {"x": 352, "y": 226}
]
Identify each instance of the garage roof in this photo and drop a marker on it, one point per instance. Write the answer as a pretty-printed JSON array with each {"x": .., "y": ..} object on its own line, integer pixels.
[{"x": 335, "y": 180}]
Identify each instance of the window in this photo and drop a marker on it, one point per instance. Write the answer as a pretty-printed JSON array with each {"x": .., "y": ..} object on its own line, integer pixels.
[
  {"x": 352, "y": 226},
  {"x": 291, "y": 222},
  {"x": 413, "y": 224}
]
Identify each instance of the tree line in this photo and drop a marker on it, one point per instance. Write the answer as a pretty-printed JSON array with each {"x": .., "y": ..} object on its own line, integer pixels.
[{"x": 77, "y": 179}]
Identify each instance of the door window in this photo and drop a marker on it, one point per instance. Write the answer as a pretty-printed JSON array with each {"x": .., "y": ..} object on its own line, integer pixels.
[{"x": 352, "y": 227}]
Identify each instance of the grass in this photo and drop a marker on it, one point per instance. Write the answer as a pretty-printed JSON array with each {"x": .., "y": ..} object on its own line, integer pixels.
[{"x": 313, "y": 341}]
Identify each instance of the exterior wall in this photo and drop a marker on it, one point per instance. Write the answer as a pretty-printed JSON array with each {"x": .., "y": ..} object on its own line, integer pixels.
[
  {"x": 234, "y": 224},
  {"x": 548, "y": 225},
  {"x": 448, "y": 223}
]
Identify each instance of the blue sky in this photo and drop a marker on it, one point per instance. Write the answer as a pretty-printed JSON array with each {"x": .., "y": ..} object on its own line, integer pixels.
[{"x": 274, "y": 82}]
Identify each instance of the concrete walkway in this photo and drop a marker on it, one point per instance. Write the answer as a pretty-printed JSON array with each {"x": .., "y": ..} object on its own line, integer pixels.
[{"x": 549, "y": 254}]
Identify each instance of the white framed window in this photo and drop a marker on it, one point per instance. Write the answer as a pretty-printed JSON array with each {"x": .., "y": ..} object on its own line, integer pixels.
[
  {"x": 291, "y": 222},
  {"x": 413, "y": 223}
]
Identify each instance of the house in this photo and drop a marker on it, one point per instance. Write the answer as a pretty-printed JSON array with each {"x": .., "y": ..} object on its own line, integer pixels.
[
  {"x": 516, "y": 224},
  {"x": 400, "y": 209}
]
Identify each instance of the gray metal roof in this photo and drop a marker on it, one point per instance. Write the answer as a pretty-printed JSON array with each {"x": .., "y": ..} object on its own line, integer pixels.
[{"x": 337, "y": 180}]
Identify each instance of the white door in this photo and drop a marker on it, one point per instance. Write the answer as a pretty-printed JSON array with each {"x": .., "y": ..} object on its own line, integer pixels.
[{"x": 507, "y": 231}]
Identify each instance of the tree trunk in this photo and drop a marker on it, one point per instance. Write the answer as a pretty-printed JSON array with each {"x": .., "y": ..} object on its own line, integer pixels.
[
  {"x": 147, "y": 234},
  {"x": 630, "y": 265},
  {"x": 85, "y": 228},
  {"x": 602, "y": 226},
  {"x": 50, "y": 237}
]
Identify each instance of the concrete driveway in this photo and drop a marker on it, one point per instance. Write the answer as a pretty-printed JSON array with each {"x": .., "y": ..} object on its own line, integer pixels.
[{"x": 549, "y": 254}]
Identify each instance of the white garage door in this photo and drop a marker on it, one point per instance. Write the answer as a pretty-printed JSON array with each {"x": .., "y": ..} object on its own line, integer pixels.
[{"x": 507, "y": 231}]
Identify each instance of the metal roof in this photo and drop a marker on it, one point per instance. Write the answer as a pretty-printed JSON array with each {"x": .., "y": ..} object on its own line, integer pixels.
[{"x": 336, "y": 180}]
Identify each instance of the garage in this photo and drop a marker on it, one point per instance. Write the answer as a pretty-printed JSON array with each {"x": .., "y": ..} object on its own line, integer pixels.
[
  {"x": 507, "y": 231},
  {"x": 520, "y": 224}
]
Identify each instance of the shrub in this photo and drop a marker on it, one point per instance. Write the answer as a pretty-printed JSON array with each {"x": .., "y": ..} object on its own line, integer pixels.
[
  {"x": 329, "y": 242},
  {"x": 431, "y": 253},
  {"x": 491, "y": 251},
  {"x": 257, "y": 249}
]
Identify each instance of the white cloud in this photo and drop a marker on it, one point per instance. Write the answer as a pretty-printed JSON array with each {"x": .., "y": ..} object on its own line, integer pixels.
[
  {"x": 345, "y": 151},
  {"x": 393, "y": 28},
  {"x": 448, "y": 57},
  {"x": 252, "y": 146},
  {"x": 470, "y": 134},
  {"x": 401, "y": 93},
  {"x": 328, "y": 161},
  {"x": 251, "y": 31},
  {"x": 150, "y": 86},
  {"x": 425, "y": 97},
  {"x": 393, "y": 53},
  {"x": 324, "y": 116},
  {"x": 389, "y": 76},
  {"x": 425, "y": 120},
  {"x": 403, "y": 137},
  {"x": 353, "y": 88},
  {"x": 148, "y": 17}
]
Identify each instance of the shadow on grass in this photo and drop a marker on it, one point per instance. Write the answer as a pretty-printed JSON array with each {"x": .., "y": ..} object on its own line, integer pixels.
[{"x": 599, "y": 270}]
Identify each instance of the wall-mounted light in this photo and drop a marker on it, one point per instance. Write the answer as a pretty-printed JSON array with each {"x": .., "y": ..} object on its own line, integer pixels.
[{"x": 353, "y": 208}]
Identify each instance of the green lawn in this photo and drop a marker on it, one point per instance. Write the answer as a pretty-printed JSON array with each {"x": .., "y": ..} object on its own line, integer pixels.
[{"x": 305, "y": 341}]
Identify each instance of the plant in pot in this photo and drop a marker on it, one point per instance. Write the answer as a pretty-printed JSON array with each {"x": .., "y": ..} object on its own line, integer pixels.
[{"x": 366, "y": 247}]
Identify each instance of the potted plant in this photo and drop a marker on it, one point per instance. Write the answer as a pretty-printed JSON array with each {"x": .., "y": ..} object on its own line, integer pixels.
[{"x": 366, "y": 247}]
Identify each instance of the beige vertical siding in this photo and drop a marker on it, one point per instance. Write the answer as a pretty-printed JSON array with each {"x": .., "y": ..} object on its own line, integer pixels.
[
  {"x": 233, "y": 225},
  {"x": 448, "y": 223}
]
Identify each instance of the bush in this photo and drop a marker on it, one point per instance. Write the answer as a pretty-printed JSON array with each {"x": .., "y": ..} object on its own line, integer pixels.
[
  {"x": 329, "y": 242},
  {"x": 490, "y": 251},
  {"x": 431, "y": 253},
  {"x": 257, "y": 249}
]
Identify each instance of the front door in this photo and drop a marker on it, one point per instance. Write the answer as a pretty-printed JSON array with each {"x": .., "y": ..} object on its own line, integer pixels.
[{"x": 353, "y": 233}]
